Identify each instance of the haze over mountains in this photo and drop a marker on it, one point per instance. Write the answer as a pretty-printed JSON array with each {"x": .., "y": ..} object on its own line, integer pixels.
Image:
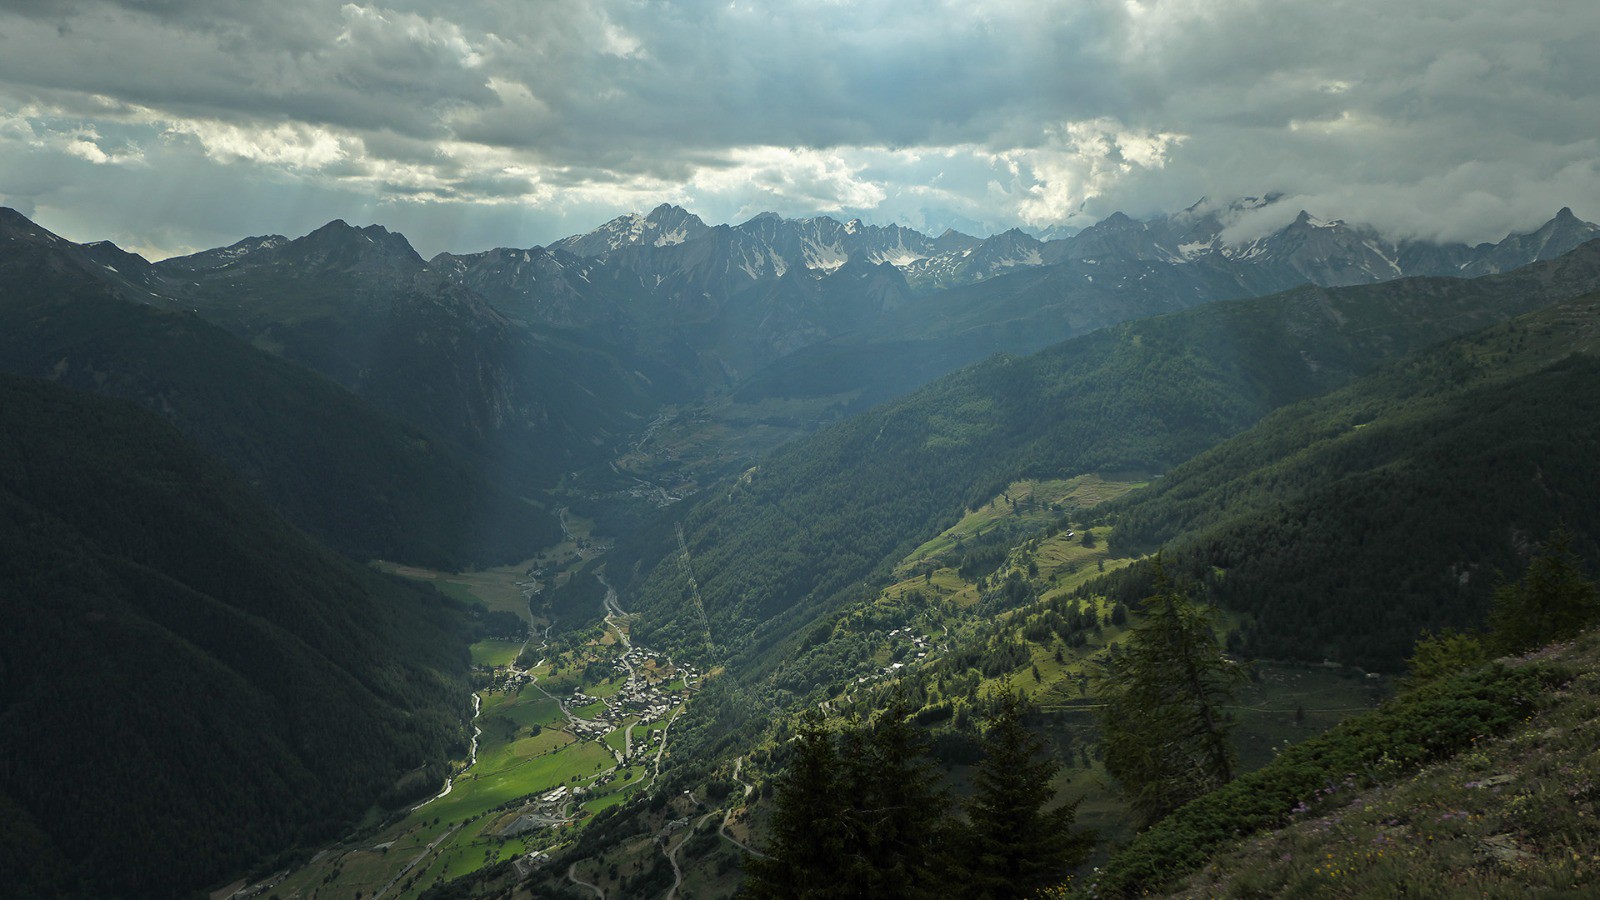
[
  {"x": 709, "y": 306},
  {"x": 526, "y": 365},
  {"x": 526, "y": 359}
]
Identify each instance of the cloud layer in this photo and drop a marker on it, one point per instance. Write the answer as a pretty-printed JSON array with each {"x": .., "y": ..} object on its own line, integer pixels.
[{"x": 170, "y": 124}]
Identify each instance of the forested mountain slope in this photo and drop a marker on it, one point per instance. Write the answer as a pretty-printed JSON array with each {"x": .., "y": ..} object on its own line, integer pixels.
[
  {"x": 328, "y": 461},
  {"x": 188, "y": 685},
  {"x": 781, "y": 546},
  {"x": 1338, "y": 527},
  {"x": 1344, "y": 524}
]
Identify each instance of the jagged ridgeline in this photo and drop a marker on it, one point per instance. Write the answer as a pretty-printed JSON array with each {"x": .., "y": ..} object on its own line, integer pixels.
[
  {"x": 784, "y": 546},
  {"x": 850, "y": 314},
  {"x": 1346, "y": 523},
  {"x": 188, "y": 685},
  {"x": 331, "y": 463},
  {"x": 359, "y": 306}
]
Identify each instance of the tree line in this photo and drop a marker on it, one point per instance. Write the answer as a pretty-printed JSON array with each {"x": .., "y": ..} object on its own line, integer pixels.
[{"x": 861, "y": 812}]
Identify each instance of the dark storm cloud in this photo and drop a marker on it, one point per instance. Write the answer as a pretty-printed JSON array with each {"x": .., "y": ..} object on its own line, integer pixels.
[{"x": 1433, "y": 118}]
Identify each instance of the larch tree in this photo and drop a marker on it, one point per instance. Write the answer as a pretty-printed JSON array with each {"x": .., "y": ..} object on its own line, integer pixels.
[
  {"x": 1162, "y": 726},
  {"x": 1552, "y": 602}
]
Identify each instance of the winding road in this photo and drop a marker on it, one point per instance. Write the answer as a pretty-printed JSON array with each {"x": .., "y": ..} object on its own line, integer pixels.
[
  {"x": 728, "y": 816},
  {"x": 672, "y": 855},
  {"x": 572, "y": 876}
]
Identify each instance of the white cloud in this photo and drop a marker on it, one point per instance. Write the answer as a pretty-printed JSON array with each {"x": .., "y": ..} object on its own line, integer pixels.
[
  {"x": 288, "y": 144},
  {"x": 1084, "y": 161},
  {"x": 1428, "y": 117},
  {"x": 791, "y": 177}
]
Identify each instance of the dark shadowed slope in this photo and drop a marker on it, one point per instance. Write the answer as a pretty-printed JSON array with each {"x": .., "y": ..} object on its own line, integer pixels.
[
  {"x": 1346, "y": 524},
  {"x": 354, "y": 476},
  {"x": 188, "y": 685}
]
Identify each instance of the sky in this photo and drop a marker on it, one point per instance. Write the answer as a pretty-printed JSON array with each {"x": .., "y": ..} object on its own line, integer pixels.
[{"x": 175, "y": 125}]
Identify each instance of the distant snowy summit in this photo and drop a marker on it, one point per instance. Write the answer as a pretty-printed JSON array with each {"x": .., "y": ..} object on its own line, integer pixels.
[{"x": 1328, "y": 252}]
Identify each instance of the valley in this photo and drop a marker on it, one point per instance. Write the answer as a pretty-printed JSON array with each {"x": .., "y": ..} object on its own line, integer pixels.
[
  {"x": 563, "y": 729},
  {"x": 779, "y": 451},
  {"x": 654, "y": 525},
  {"x": 1026, "y": 589},
  {"x": 998, "y": 591}
]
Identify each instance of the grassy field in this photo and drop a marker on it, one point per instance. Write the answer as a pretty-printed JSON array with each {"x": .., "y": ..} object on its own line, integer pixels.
[
  {"x": 495, "y": 653},
  {"x": 1027, "y": 504},
  {"x": 496, "y": 590},
  {"x": 526, "y": 749}
]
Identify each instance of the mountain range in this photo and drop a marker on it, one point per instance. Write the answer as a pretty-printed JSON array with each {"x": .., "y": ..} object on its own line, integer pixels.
[{"x": 737, "y": 298}]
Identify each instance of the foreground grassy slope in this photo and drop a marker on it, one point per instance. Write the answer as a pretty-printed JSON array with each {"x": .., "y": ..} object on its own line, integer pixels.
[
  {"x": 188, "y": 685},
  {"x": 1480, "y": 785}
]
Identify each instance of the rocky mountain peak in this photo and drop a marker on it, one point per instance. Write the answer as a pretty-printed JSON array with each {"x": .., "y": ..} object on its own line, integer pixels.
[
  {"x": 115, "y": 258},
  {"x": 342, "y": 245},
  {"x": 1554, "y": 238},
  {"x": 663, "y": 226}
]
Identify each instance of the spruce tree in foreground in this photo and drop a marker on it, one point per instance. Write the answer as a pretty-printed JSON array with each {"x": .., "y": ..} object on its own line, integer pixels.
[
  {"x": 1162, "y": 726},
  {"x": 899, "y": 831},
  {"x": 1552, "y": 602},
  {"x": 1015, "y": 847},
  {"x": 808, "y": 827},
  {"x": 858, "y": 814}
]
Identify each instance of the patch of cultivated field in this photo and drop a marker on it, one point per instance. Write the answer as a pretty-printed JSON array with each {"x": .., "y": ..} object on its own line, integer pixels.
[
  {"x": 505, "y": 804},
  {"x": 497, "y": 590},
  {"x": 1029, "y": 503},
  {"x": 495, "y": 653}
]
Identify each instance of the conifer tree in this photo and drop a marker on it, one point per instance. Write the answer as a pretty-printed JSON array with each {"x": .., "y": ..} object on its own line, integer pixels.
[
  {"x": 1014, "y": 846},
  {"x": 808, "y": 824},
  {"x": 900, "y": 829},
  {"x": 858, "y": 814},
  {"x": 1552, "y": 602},
  {"x": 1162, "y": 727}
]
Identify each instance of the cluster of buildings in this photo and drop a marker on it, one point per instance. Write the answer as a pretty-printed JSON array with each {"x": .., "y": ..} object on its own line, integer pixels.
[
  {"x": 544, "y": 811},
  {"x": 648, "y": 699},
  {"x": 918, "y": 651},
  {"x": 918, "y": 642}
]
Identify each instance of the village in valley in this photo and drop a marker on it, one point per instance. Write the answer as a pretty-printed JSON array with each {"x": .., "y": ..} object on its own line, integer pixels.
[{"x": 560, "y": 731}]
